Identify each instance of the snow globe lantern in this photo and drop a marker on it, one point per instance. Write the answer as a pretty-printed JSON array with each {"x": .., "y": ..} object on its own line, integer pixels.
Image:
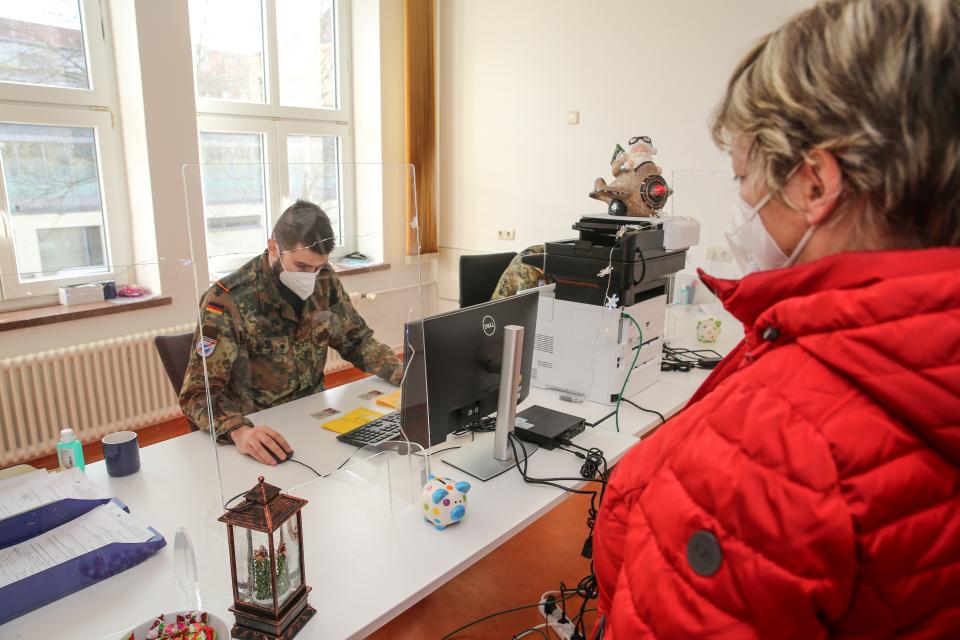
[{"x": 265, "y": 537}]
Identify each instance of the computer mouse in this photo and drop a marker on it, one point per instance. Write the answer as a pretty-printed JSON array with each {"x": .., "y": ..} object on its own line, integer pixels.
[{"x": 277, "y": 458}]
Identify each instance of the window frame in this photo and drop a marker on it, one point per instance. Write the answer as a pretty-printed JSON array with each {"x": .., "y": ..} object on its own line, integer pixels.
[
  {"x": 95, "y": 108},
  {"x": 220, "y": 266},
  {"x": 285, "y": 129},
  {"x": 113, "y": 199},
  {"x": 277, "y": 122},
  {"x": 100, "y": 72}
]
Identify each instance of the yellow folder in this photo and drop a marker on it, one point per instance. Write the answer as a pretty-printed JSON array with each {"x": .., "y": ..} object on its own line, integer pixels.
[
  {"x": 354, "y": 419},
  {"x": 391, "y": 400}
]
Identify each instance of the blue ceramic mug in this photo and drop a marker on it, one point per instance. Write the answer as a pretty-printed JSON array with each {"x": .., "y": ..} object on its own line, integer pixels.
[{"x": 121, "y": 452}]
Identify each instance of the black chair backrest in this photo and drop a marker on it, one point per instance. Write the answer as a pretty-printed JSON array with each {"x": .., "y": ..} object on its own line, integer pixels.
[
  {"x": 175, "y": 352},
  {"x": 479, "y": 276}
]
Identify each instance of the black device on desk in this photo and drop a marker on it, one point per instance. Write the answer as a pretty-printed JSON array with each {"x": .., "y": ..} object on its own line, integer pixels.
[
  {"x": 547, "y": 428},
  {"x": 455, "y": 358}
]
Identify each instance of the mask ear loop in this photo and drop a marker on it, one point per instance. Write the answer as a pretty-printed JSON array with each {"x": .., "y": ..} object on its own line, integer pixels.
[
  {"x": 309, "y": 246},
  {"x": 281, "y": 252}
]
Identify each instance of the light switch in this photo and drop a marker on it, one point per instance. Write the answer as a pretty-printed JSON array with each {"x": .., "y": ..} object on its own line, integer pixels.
[{"x": 573, "y": 117}]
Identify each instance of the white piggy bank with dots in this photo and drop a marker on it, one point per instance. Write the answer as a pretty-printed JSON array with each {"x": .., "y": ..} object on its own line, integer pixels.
[{"x": 444, "y": 501}]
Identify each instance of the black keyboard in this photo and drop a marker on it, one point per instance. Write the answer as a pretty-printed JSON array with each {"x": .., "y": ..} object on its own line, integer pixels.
[{"x": 380, "y": 430}]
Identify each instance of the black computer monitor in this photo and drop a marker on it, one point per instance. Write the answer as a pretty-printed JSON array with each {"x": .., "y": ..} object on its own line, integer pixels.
[{"x": 457, "y": 354}]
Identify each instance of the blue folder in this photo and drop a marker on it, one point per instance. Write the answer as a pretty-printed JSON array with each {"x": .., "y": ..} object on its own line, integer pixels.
[
  {"x": 52, "y": 584},
  {"x": 26, "y": 525}
]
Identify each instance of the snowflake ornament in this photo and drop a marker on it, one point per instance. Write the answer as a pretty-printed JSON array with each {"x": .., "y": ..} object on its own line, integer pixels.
[
  {"x": 605, "y": 271},
  {"x": 612, "y": 302},
  {"x": 622, "y": 230}
]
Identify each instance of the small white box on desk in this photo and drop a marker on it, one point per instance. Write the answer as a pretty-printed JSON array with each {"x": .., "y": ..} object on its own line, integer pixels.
[{"x": 81, "y": 294}]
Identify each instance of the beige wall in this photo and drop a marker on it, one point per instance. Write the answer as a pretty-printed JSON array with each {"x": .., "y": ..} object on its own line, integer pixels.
[{"x": 511, "y": 70}]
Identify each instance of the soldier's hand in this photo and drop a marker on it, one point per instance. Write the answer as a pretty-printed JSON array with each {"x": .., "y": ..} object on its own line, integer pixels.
[{"x": 257, "y": 442}]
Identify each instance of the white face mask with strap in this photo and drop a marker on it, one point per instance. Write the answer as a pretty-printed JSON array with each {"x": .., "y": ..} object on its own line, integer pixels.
[
  {"x": 301, "y": 283},
  {"x": 752, "y": 245}
]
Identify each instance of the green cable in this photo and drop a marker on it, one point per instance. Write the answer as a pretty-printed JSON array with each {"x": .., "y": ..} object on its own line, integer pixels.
[{"x": 626, "y": 379}]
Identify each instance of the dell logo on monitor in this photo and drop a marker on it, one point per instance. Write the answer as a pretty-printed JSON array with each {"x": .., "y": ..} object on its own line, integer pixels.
[{"x": 489, "y": 326}]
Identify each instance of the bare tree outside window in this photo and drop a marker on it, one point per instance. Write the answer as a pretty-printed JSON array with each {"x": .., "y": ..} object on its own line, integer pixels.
[
  {"x": 228, "y": 55},
  {"x": 306, "y": 50},
  {"x": 314, "y": 174},
  {"x": 52, "y": 184},
  {"x": 41, "y": 43},
  {"x": 234, "y": 193}
]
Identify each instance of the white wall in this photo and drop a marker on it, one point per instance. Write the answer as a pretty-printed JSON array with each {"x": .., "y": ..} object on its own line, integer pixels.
[
  {"x": 158, "y": 122},
  {"x": 511, "y": 70}
]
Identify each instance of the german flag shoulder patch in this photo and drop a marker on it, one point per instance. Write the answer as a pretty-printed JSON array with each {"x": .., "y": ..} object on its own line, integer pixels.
[{"x": 215, "y": 308}]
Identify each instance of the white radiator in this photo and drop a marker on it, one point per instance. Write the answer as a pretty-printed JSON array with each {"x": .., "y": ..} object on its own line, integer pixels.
[{"x": 95, "y": 389}]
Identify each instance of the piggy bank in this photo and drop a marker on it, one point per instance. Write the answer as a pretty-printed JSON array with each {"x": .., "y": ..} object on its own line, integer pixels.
[
  {"x": 444, "y": 501},
  {"x": 708, "y": 330}
]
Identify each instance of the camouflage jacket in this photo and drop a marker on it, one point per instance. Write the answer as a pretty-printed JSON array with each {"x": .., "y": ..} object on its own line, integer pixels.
[
  {"x": 259, "y": 354},
  {"x": 519, "y": 276}
]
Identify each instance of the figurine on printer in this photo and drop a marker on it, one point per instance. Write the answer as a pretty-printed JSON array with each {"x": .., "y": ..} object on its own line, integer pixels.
[{"x": 638, "y": 189}]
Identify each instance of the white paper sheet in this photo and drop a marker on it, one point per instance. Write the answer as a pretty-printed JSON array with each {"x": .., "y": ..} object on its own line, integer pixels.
[
  {"x": 95, "y": 529},
  {"x": 44, "y": 488}
]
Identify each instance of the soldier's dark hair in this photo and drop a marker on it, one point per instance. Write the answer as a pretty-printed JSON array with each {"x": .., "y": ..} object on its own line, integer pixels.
[{"x": 304, "y": 223}]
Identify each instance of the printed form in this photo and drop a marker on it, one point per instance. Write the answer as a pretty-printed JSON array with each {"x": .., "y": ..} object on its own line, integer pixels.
[{"x": 94, "y": 530}]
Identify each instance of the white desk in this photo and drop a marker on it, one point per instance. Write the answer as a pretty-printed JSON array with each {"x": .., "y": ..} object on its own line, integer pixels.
[{"x": 365, "y": 561}]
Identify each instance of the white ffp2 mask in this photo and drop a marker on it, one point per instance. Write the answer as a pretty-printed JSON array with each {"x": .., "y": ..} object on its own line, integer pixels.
[
  {"x": 752, "y": 245},
  {"x": 301, "y": 283}
]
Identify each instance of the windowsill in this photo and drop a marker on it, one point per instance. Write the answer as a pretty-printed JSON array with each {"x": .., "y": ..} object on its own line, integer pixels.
[
  {"x": 12, "y": 320},
  {"x": 365, "y": 268}
]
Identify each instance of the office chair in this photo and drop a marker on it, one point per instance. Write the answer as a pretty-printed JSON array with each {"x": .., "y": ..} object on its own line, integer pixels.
[
  {"x": 174, "y": 353},
  {"x": 479, "y": 276}
]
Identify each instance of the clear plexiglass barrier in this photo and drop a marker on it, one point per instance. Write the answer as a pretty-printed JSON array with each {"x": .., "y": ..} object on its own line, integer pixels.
[
  {"x": 105, "y": 377},
  {"x": 292, "y": 367},
  {"x": 305, "y": 298}
]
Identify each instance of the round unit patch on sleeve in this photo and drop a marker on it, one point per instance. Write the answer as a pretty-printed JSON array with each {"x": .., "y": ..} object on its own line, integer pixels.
[{"x": 704, "y": 553}]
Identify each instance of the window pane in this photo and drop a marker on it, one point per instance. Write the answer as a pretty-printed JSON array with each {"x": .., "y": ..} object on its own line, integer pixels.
[
  {"x": 306, "y": 50},
  {"x": 53, "y": 190},
  {"x": 234, "y": 195},
  {"x": 41, "y": 42},
  {"x": 228, "y": 57},
  {"x": 314, "y": 174}
]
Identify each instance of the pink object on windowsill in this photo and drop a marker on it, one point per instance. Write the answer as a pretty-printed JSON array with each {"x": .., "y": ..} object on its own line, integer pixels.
[{"x": 131, "y": 291}]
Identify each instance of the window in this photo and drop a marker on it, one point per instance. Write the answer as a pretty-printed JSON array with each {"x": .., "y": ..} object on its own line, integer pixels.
[
  {"x": 61, "y": 183},
  {"x": 273, "y": 91}
]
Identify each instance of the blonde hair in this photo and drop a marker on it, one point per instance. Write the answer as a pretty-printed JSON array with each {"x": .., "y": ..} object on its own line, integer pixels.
[{"x": 877, "y": 84}]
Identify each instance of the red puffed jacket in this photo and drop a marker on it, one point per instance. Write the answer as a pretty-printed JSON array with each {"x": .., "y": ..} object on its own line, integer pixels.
[{"x": 811, "y": 488}]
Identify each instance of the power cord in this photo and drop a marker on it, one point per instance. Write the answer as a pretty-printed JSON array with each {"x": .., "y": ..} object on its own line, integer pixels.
[
  {"x": 594, "y": 464},
  {"x": 500, "y": 613},
  {"x": 644, "y": 409},
  {"x": 626, "y": 379},
  {"x": 242, "y": 506},
  {"x": 685, "y": 360}
]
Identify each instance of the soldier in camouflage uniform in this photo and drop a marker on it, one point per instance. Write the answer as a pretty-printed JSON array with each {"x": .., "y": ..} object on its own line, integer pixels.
[
  {"x": 519, "y": 276},
  {"x": 265, "y": 339}
]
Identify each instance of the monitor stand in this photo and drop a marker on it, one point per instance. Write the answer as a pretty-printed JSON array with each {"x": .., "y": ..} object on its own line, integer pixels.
[{"x": 478, "y": 458}]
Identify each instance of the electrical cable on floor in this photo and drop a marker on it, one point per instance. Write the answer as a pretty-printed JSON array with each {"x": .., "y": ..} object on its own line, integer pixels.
[{"x": 494, "y": 615}]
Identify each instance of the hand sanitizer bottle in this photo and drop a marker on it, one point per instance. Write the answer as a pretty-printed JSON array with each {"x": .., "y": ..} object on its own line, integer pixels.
[{"x": 69, "y": 450}]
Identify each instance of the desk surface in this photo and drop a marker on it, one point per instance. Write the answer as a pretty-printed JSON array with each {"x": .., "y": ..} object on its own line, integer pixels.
[{"x": 367, "y": 558}]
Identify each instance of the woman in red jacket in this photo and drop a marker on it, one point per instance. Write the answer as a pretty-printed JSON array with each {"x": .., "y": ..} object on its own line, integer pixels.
[{"x": 812, "y": 486}]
